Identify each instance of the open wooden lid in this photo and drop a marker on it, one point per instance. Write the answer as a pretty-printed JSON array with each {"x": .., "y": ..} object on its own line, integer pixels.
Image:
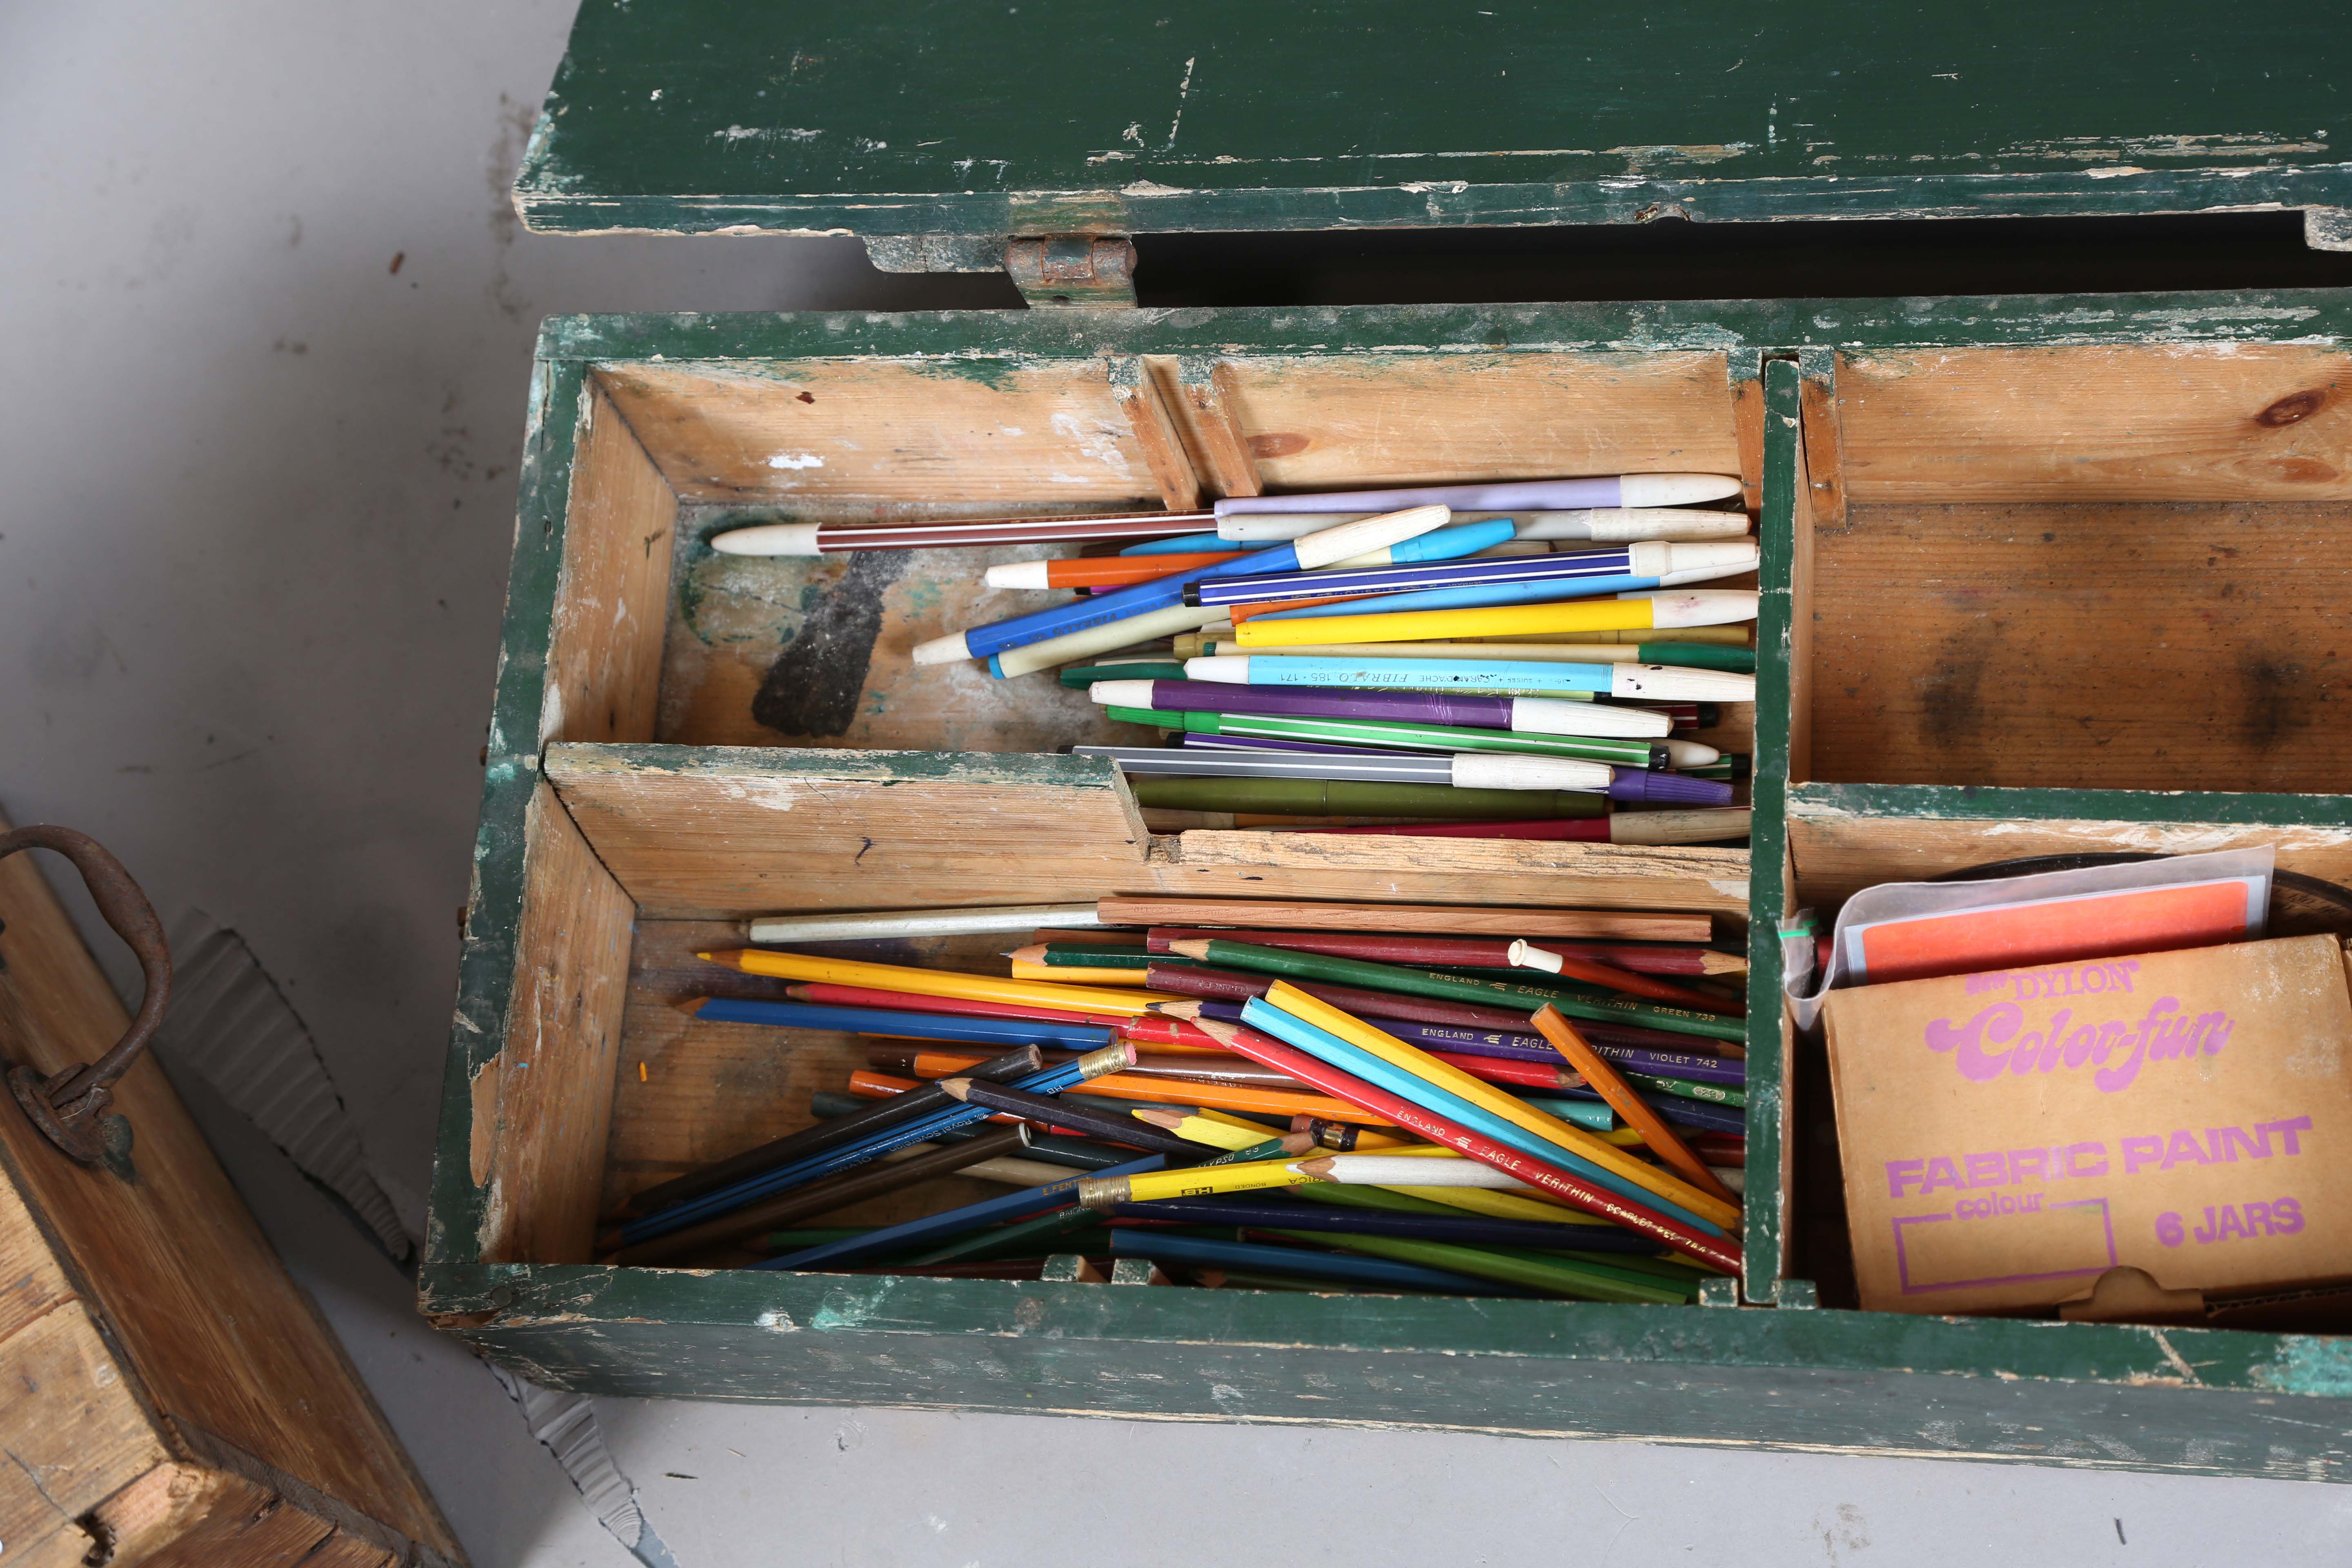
[{"x": 966, "y": 122}]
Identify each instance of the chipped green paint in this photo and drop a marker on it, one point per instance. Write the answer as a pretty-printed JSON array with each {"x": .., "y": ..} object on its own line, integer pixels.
[
  {"x": 1011, "y": 339},
  {"x": 1012, "y": 769},
  {"x": 1984, "y": 803},
  {"x": 1764, "y": 1224},
  {"x": 1056, "y": 116},
  {"x": 2309, "y": 1364}
]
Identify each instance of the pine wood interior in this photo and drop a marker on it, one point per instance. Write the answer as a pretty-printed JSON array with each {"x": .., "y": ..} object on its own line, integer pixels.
[
  {"x": 639, "y": 853},
  {"x": 2111, "y": 567}
]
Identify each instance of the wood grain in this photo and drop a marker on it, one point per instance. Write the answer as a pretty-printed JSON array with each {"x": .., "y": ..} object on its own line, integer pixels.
[
  {"x": 1825, "y": 438},
  {"x": 547, "y": 1100},
  {"x": 2111, "y": 645},
  {"x": 2156, "y": 422},
  {"x": 208, "y": 1323},
  {"x": 1838, "y": 855},
  {"x": 605, "y": 650},
  {"x": 987, "y": 432},
  {"x": 1499, "y": 873},
  {"x": 731, "y": 833},
  {"x": 1744, "y": 371},
  {"x": 1146, "y": 406},
  {"x": 1343, "y": 421}
]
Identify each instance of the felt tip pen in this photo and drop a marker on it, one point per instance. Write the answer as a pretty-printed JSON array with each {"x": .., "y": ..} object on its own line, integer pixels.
[
  {"x": 1635, "y": 682},
  {"x": 1438, "y": 545},
  {"x": 1682, "y": 607},
  {"x": 1664, "y": 563},
  {"x": 1535, "y": 715}
]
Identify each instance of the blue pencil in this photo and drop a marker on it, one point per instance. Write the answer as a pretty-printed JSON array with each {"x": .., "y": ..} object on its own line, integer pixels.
[
  {"x": 911, "y": 1026},
  {"x": 1264, "y": 586},
  {"x": 1258, "y": 1259},
  {"x": 734, "y": 1195},
  {"x": 1350, "y": 1058},
  {"x": 971, "y": 1217},
  {"x": 1400, "y": 533}
]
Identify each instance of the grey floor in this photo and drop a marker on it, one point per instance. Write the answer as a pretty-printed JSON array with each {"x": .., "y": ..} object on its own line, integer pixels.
[{"x": 270, "y": 320}]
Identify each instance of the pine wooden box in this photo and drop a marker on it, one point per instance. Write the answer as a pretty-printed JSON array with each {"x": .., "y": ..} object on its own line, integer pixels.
[{"x": 638, "y": 800}]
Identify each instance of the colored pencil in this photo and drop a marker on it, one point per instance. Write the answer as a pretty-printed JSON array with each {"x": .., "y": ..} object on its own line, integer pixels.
[
  {"x": 1450, "y": 919},
  {"x": 1081, "y": 955},
  {"x": 873, "y": 1144},
  {"x": 1078, "y": 975},
  {"x": 1208, "y": 543},
  {"x": 919, "y": 1061},
  {"x": 874, "y": 1180},
  {"x": 1455, "y": 988},
  {"x": 1086, "y": 1119},
  {"x": 1584, "y": 1279},
  {"x": 1338, "y": 797},
  {"x": 953, "y": 1222},
  {"x": 1014, "y": 1172},
  {"x": 1597, "y": 1071},
  {"x": 1456, "y": 951},
  {"x": 1379, "y": 1273},
  {"x": 1694, "y": 1115},
  {"x": 1634, "y": 682},
  {"x": 793, "y": 1239},
  {"x": 1574, "y": 1228},
  {"x": 1525, "y": 715},
  {"x": 1465, "y": 1229},
  {"x": 960, "y": 1006},
  {"x": 1261, "y": 582},
  {"x": 1106, "y": 1190},
  {"x": 921, "y": 1026},
  {"x": 1199, "y": 1128},
  {"x": 1365, "y": 1053},
  {"x": 888, "y": 923},
  {"x": 1528, "y": 955},
  {"x": 1706, "y": 824},
  {"x": 1222, "y": 733},
  {"x": 1682, "y": 607},
  {"x": 823, "y": 1136},
  {"x": 1393, "y": 530},
  {"x": 1345, "y": 1136},
  {"x": 1219, "y": 995},
  {"x": 930, "y": 981},
  {"x": 1559, "y": 1183},
  {"x": 1034, "y": 1236},
  {"x": 1633, "y": 751},
  {"x": 1391, "y": 1170}
]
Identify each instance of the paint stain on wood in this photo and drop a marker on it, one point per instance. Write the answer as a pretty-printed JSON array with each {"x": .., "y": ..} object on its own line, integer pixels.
[{"x": 813, "y": 687}]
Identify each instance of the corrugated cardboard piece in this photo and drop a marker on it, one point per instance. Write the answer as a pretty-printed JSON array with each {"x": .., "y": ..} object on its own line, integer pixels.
[{"x": 2008, "y": 1137}]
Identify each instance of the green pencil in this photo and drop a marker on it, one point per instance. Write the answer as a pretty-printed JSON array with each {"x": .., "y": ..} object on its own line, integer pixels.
[
  {"x": 1416, "y": 737},
  {"x": 1357, "y": 797},
  {"x": 1357, "y": 972},
  {"x": 1538, "y": 1271},
  {"x": 794, "y": 1240}
]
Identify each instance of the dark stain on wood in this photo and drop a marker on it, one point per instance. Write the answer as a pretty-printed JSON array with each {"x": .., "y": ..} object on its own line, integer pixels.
[
  {"x": 2275, "y": 699},
  {"x": 813, "y": 687},
  {"x": 1950, "y": 713},
  {"x": 2294, "y": 407},
  {"x": 1279, "y": 443}
]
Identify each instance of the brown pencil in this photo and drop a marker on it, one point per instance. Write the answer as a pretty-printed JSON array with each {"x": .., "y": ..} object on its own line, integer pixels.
[
  {"x": 1605, "y": 1078},
  {"x": 1450, "y": 920}
]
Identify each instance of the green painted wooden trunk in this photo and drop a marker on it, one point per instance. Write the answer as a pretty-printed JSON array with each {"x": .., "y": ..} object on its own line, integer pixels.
[
  {"x": 2040, "y": 575},
  {"x": 2098, "y": 429}
]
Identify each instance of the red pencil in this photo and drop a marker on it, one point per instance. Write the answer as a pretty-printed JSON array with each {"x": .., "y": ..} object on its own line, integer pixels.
[
  {"x": 1467, "y": 953},
  {"x": 1717, "y": 1252}
]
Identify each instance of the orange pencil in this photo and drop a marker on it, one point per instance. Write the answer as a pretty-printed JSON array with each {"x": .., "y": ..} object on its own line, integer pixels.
[
  {"x": 1661, "y": 1139},
  {"x": 1101, "y": 571}
]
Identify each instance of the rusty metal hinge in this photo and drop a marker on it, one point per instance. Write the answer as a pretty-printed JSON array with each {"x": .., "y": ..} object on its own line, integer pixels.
[
  {"x": 69, "y": 1106},
  {"x": 1073, "y": 269}
]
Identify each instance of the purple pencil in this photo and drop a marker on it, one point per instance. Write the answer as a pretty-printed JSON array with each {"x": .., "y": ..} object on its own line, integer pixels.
[
  {"x": 1628, "y": 784},
  {"x": 1536, "y": 1049}
]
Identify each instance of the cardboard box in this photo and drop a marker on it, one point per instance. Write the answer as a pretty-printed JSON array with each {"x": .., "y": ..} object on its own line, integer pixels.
[{"x": 2009, "y": 1136}]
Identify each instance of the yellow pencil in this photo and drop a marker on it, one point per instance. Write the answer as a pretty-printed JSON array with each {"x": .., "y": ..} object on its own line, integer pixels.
[
  {"x": 1200, "y": 1129},
  {"x": 1102, "y": 1192},
  {"x": 1487, "y": 1097},
  {"x": 936, "y": 982},
  {"x": 1680, "y": 608}
]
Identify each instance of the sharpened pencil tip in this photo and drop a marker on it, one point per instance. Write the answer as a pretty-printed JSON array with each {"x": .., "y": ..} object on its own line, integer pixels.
[
  {"x": 1190, "y": 949},
  {"x": 689, "y": 1005},
  {"x": 1319, "y": 1169},
  {"x": 955, "y": 1088},
  {"x": 1169, "y": 1120},
  {"x": 1218, "y": 1030},
  {"x": 730, "y": 960}
]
